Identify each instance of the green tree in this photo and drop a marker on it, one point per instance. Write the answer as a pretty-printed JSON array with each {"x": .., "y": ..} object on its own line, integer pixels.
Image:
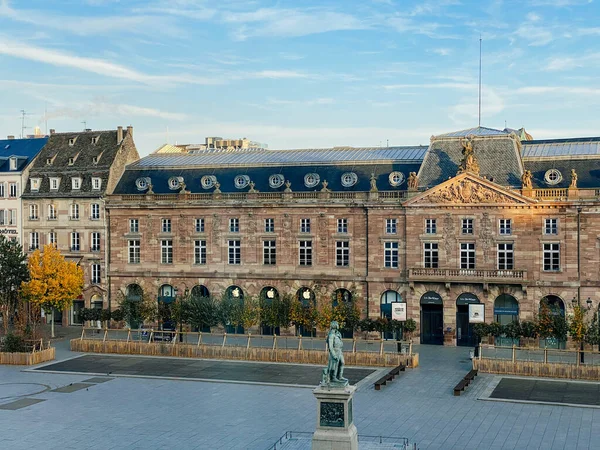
[
  {"x": 201, "y": 312},
  {"x": 578, "y": 329},
  {"x": 13, "y": 273},
  {"x": 593, "y": 332}
]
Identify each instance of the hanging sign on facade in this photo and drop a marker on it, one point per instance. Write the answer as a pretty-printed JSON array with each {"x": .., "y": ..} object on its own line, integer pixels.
[
  {"x": 399, "y": 311},
  {"x": 476, "y": 313}
]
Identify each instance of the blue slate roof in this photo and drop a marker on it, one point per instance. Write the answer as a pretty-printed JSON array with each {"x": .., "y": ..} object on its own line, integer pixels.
[
  {"x": 561, "y": 147},
  {"x": 477, "y": 131},
  {"x": 588, "y": 172},
  {"x": 285, "y": 157},
  {"x": 23, "y": 149}
]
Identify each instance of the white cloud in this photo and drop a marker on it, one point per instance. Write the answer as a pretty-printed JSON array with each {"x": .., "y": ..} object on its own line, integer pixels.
[
  {"x": 563, "y": 63},
  {"x": 461, "y": 86},
  {"x": 442, "y": 51},
  {"x": 543, "y": 90},
  {"x": 468, "y": 108},
  {"x": 289, "y": 22},
  {"x": 313, "y": 102},
  {"x": 101, "y": 107},
  {"x": 537, "y": 36}
]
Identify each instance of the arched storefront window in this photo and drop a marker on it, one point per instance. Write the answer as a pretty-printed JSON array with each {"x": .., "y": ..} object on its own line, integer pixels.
[
  {"x": 464, "y": 330},
  {"x": 388, "y": 298},
  {"x": 506, "y": 310},
  {"x": 432, "y": 318},
  {"x": 344, "y": 297},
  {"x": 166, "y": 297},
  {"x": 134, "y": 293},
  {"x": 235, "y": 295},
  {"x": 307, "y": 297},
  {"x": 268, "y": 296},
  {"x": 200, "y": 291},
  {"x": 166, "y": 293},
  {"x": 557, "y": 308}
]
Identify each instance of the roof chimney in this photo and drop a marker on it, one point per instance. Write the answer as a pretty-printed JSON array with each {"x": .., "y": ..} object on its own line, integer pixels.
[
  {"x": 52, "y": 131},
  {"x": 10, "y": 136},
  {"x": 130, "y": 131},
  {"x": 119, "y": 134}
]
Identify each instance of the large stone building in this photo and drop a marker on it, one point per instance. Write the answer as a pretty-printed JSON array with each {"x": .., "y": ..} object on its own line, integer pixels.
[
  {"x": 64, "y": 202},
  {"x": 16, "y": 156},
  {"x": 478, "y": 216}
]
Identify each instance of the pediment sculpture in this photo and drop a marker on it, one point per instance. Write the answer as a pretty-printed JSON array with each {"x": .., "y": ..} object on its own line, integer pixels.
[{"x": 466, "y": 191}]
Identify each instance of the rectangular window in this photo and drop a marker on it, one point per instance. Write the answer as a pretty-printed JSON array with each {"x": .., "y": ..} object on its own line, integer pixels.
[
  {"x": 134, "y": 251},
  {"x": 134, "y": 225},
  {"x": 304, "y": 225},
  {"x": 166, "y": 251},
  {"x": 74, "y": 211},
  {"x": 3, "y": 217},
  {"x": 95, "y": 242},
  {"x": 234, "y": 225},
  {"x": 75, "y": 241},
  {"x": 12, "y": 190},
  {"x": 550, "y": 226},
  {"x": 34, "y": 241},
  {"x": 391, "y": 226},
  {"x": 391, "y": 255},
  {"x": 33, "y": 212},
  {"x": 505, "y": 256},
  {"x": 269, "y": 225},
  {"x": 199, "y": 225},
  {"x": 51, "y": 212},
  {"x": 505, "y": 227},
  {"x": 166, "y": 226},
  {"x": 52, "y": 238},
  {"x": 235, "y": 252},
  {"x": 305, "y": 251},
  {"x": 200, "y": 252},
  {"x": 96, "y": 183},
  {"x": 551, "y": 257},
  {"x": 467, "y": 226},
  {"x": 430, "y": 226},
  {"x": 76, "y": 183},
  {"x": 467, "y": 255},
  {"x": 13, "y": 163},
  {"x": 430, "y": 255},
  {"x": 35, "y": 184},
  {"x": 269, "y": 253},
  {"x": 95, "y": 273},
  {"x": 2, "y": 194},
  {"x": 13, "y": 217},
  {"x": 342, "y": 225},
  {"x": 95, "y": 211},
  {"x": 342, "y": 253},
  {"x": 54, "y": 183}
]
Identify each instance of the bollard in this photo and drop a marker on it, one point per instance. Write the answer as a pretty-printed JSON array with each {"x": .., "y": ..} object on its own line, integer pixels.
[{"x": 514, "y": 353}]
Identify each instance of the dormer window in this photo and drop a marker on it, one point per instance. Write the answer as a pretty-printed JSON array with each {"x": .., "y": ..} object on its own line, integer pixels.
[
  {"x": 50, "y": 161},
  {"x": 96, "y": 183},
  {"x": 13, "y": 163},
  {"x": 95, "y": 159},
  {"x": 35, "y": 184},
  {"x": 95, "y": 139},
  {"x": 54, "y": 184},
  {"x": 76, "y": 183},
  {"x": 72, "y": 141}
]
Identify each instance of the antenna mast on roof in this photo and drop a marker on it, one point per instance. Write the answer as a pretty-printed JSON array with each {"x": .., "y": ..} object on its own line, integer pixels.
[
  {"x": 479, "y": 124},
  {"x": 23, "y": 114},
  {"x": 84, "y": 125}
]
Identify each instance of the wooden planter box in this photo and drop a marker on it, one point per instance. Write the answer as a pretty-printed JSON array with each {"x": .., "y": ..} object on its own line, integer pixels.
[{"x": 28, "y": 359}]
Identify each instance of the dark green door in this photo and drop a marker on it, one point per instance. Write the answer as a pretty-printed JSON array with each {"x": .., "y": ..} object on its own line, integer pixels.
[
  {"x": 432, "y": 324},
  {"x": 464, "y": 330}
]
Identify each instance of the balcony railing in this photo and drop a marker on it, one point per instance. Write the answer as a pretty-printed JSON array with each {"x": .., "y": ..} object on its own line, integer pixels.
[
  {"x": 474, "y": 275},
  {"x": 95, "y": 249},
  {"x": 74, "y": 248},
  {"x": 51, "y": 217}
]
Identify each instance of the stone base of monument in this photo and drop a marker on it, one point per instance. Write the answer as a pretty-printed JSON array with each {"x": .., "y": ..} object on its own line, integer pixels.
[{"x": 335, "y": 426}]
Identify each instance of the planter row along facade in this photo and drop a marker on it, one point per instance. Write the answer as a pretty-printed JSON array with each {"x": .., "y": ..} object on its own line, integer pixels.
[{"x": 478, "y": 216}]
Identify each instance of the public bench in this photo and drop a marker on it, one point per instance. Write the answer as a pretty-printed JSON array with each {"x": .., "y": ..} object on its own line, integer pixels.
[
  {"x": 383, "y": 381},
  {"x": 462, "y": 384},
  {"x": 396, "y": 370}
]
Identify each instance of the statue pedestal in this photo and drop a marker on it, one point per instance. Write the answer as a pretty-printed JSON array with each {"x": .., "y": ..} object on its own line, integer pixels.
[{"x": 335, "y": 426}]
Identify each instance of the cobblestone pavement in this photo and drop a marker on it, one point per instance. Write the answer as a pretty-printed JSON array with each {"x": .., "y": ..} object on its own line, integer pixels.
[{"x": 136, "y": 413}]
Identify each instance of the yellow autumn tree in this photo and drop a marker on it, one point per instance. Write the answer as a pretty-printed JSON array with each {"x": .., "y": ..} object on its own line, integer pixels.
[{"x": 53, "y": 282}]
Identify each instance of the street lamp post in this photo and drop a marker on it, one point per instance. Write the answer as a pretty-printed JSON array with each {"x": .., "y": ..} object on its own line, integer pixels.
[{"x": 577, "y": 301}]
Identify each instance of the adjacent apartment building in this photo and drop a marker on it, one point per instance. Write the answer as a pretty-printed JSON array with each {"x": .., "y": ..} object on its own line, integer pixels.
[
  {"x": 64, "y": 203},
  {"x": 480, "y": 216},
  {"x": 16, "y": 156}
]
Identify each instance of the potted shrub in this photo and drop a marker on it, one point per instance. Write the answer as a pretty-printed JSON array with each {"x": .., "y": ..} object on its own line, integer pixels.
[
  {"x": 481, "y": 330},
  {"x": 529, "y": 333},
  {"x": 409, "y": 328}
]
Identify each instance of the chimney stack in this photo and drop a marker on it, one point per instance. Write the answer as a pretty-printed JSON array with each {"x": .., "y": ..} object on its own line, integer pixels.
[
  {"x": 130, "y": 131},
  {"x": 10, "y": 136},
  {"x": 52, "y": 131},
  {"x": 119, "y": 134}
]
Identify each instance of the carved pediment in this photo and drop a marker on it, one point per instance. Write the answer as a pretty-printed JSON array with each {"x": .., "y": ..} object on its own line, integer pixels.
[{"x": 466, "y": 189}]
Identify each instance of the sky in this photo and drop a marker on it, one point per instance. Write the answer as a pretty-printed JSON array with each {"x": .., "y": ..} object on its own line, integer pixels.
[{"x": 299, "y": 74}]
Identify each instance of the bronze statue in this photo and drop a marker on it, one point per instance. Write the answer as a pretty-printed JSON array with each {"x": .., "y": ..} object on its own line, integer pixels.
[
  {"x": 526, "y": 179},
  {"x": 334, "y": 373},
  {"x": 373, "y": 183},
  {"x": 325, "y": 183},
  {"x": 469, "y": 163},
  {"x": 288, "y": 186},
  {"x": 573, "y": 184}
]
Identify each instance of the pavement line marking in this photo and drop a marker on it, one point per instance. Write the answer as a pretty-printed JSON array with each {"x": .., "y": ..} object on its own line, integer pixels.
[{"x": 536, "y": 402}]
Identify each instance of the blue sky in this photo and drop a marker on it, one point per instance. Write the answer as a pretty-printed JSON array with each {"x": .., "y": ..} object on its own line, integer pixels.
[{"x": 299, "y": 74}]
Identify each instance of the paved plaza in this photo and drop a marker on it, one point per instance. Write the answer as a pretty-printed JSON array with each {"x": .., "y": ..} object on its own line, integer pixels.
[{"x": 68, "y": 411}]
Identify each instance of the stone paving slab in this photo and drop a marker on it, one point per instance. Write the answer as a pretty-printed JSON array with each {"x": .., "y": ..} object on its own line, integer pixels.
[
  {"x": 21, "y": 403},
  {"x": 73, "y": 387},
  {"x": 97, "y": 380},
  {"x": 547, "y": 391},
  {"x": 270, "y": 373}
]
